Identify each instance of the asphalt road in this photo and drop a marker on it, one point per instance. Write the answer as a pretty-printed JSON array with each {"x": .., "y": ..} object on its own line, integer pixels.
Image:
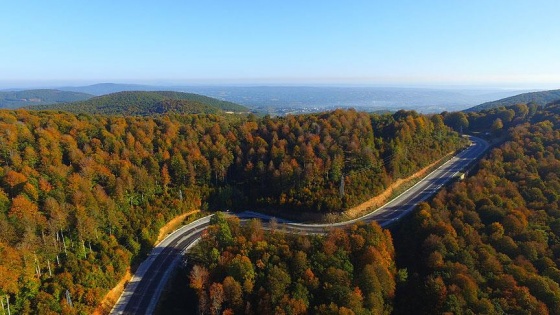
[{"x": 144, "y": 289}]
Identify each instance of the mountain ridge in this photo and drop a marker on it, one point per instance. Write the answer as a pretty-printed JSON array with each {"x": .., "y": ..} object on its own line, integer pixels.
[
  {"x": 20, "y": 98},
  {"x": 540, "y": 98}
]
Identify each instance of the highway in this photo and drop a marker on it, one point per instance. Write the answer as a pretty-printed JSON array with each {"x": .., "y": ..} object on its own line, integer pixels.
[{"x": 144, "y": 289}]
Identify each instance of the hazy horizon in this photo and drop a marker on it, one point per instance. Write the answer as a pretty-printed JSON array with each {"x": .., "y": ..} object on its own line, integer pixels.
[{"x": 8, "y": 85}]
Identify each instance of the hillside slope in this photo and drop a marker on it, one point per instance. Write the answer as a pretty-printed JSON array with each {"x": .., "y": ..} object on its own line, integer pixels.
[
  {"x": 540, "y": 98},
  {"x": 15, "y": 99},
  {"x": 490, "y": 244},
  {"x": 143, "y": 103}
]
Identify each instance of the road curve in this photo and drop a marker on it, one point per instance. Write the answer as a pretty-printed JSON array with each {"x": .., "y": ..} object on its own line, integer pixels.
[{"x": 144, "y": 289}]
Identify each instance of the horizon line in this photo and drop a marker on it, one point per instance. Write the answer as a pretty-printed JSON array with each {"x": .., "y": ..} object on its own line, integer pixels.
[{"x": 54, "y": 84}]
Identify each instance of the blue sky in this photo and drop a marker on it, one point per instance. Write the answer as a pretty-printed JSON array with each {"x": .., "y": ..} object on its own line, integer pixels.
[{"x": 496, "y": 43}]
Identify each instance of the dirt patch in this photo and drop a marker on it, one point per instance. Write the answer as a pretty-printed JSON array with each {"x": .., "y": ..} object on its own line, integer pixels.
[
  {"x": 112, "y": 297},
  {"x": 383, "y": 198},
  {"x": 173, "y": 225}
]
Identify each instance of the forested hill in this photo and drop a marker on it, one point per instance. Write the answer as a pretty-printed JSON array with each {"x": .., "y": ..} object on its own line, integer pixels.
[
  {"x": 82, "y": 196},
  {"x": 15, "y": 99},
  {"x": 145, "y": 103},
  {"x": 491, "y": 244},
  {"x": 540, "y": 98}
]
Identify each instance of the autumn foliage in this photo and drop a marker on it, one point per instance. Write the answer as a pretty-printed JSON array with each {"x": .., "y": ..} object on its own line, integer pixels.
[
  {"x": 242, "y": 269},
  {"x": 491, "y": 244},
  {"x": 333, "y": 161}
]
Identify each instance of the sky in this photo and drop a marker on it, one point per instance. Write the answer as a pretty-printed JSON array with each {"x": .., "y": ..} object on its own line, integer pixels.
[{"x": 498, "y": 43}]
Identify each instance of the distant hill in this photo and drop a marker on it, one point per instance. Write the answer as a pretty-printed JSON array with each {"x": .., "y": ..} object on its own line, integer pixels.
[
  {"x": 144, "y": 103},
  {"x": 15, "y": 99},
  {"x": 541, "y": 98},
  {"x": 108, "y": 88}
]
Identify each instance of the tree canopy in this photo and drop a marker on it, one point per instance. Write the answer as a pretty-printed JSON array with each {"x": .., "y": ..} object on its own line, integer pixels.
[
  {"x": 491, "y": 244},
  {"x": 258, "y": 272}
]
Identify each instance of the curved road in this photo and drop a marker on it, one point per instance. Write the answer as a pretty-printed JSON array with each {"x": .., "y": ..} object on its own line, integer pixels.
[{"x": 144, "y": 289}]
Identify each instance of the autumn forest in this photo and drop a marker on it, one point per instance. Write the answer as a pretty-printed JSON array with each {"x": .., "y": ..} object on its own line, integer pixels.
[{"x": 82, "y": 198}]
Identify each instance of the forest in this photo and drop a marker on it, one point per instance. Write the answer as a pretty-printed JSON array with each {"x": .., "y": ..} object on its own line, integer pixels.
[
  {"x": 491, "y": 244},
  {"x": 330, "y": 162},
  {"x": 487, "y": 245},
  {"x": 540, "y": 98},
  {"x": 82, "y": 197},
  {"x": 243, "y": 269},
  {"x": 494, "y": 121}
]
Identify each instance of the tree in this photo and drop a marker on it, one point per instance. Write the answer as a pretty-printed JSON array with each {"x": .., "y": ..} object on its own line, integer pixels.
[
  {"x": 233, "y": 293},
  {"x": 26, "y": 213},
  {"x": 277, "y": 282},
  {"x": 199, "y": 278},
  {"x": 165, "y": 178},
  {"x": 241, "y": 269},
  {"x": 497, "y": 126},
  {"x": 216, "y": 295},
  {"x": 457, "y": 121}
]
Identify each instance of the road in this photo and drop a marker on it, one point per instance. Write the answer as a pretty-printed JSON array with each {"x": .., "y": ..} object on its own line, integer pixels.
[{"x": 144, "y": 289}]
